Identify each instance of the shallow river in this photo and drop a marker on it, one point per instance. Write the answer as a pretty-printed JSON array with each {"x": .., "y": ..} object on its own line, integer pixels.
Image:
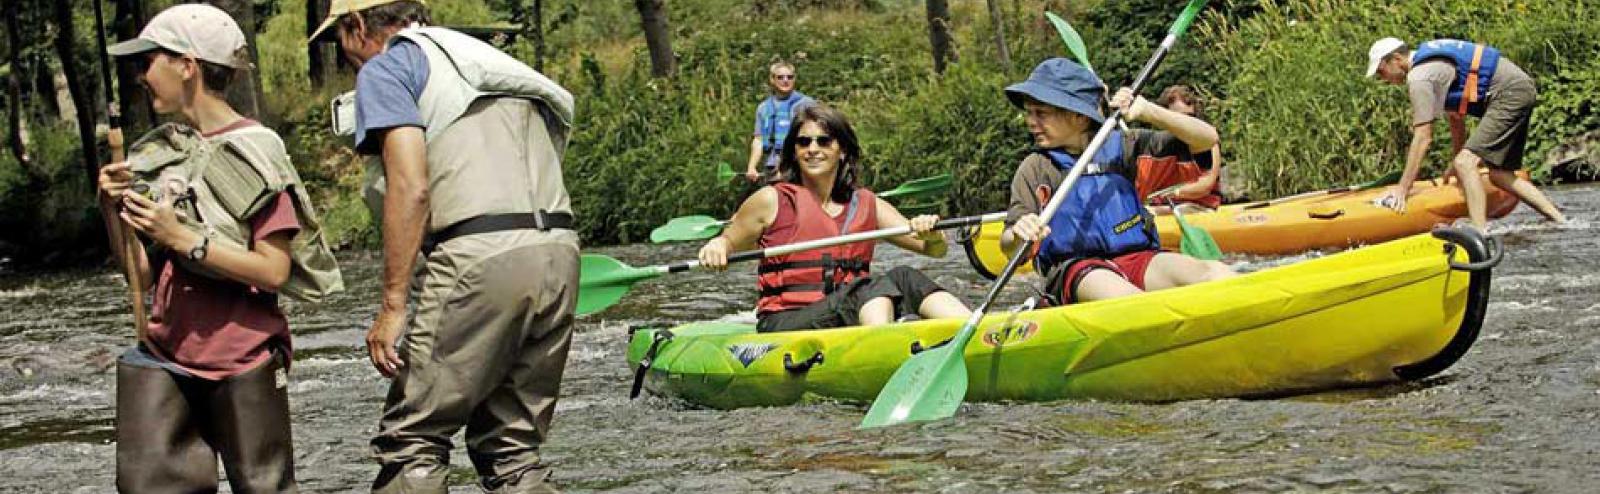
[{"x": 1521, "y": 412}]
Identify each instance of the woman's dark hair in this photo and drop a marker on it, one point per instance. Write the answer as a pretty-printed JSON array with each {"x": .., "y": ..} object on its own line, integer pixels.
[
  {"x": 837, "y": 127},
  {"x": 1181, "y": 92},
  {"x": 398, "y": 14}
]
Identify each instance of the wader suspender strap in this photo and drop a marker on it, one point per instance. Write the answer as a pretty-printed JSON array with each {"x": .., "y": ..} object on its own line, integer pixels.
[
  {"x": 1469, "y": 93},
  {"x": 645, "y": 362}
]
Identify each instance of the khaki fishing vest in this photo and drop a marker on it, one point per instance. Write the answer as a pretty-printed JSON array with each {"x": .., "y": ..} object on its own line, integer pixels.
[
  {"x": 221, "y": 182},
  {"x": 485, "y": 154}
]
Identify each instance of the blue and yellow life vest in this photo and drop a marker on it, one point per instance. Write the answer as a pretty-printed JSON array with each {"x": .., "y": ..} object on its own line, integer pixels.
[
  {"x": 1102, "y": 216},
  {"x": 1475, "y": 64}
]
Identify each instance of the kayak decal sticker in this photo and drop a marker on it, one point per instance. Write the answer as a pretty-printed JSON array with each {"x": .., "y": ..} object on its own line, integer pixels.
[
  {"x": 1250, "y": 218},
  {"x": 747, "y": 353},
  {"x": 1014, "y": 333}
]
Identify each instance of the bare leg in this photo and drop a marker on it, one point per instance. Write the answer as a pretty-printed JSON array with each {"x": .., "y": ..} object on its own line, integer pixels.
[
  {"x": 877, "y": 311},
  {"x": 1101, "y": 284},
  {"x": 1527, "y": 192},
  {"x": 943, "y": 305},
  {"x": 1466, "y": 165},
  {"x": 1170, "y": 270}
]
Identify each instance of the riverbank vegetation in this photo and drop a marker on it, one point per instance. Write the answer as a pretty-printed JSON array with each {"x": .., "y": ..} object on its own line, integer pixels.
[{"x": 1282, "y": 79}]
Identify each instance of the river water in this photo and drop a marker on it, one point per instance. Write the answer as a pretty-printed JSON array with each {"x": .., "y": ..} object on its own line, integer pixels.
[{"x": 1521, "y": 412}]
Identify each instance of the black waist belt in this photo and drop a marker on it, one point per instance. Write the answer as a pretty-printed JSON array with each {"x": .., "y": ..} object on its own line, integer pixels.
[{"x": 488, "y": 223}]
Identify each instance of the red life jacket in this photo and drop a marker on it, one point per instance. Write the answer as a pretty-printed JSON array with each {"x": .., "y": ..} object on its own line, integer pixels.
[
  {"x": 802, "y": 278},
  {"x": 1159, "y": 173}
]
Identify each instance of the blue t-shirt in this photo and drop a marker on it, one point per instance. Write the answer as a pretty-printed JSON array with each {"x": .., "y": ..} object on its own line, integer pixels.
[
  {"x": 387, "y": 89},
  {"x": 773, "y": 117}
]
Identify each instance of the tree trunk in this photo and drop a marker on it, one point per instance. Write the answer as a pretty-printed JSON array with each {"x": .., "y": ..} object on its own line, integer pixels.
[
  {"x": 536, "y": 18},
  {"x": 998, "y": 18},
  {"x": 66, "y": 34},
  {"x": 320, "y": 55},
  {"x": 137, "y": 115},
  {"x": 14, "y": 133},
  {"x": 658, "y": 36},
  {"x": 245, "y": 92},
  {"x": 939, "y": 32}
]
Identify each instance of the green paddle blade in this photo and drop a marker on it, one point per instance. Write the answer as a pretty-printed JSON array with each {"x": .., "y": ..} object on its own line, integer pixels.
[
  {"x": 920, "y": 187},
  {"x": 725, "y": 171},
  {"x": 1070, "y": 37},
  {"x": 698, "y": 227},
  {"x": 602, "y": 281},
  {"x": 1196, "y": 241},
  {"x": 928, "y": 386}
]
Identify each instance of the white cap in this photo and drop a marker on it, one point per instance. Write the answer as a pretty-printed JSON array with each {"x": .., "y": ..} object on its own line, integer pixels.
[
  {"x": 198, "y": 30},
  {"x": 1381, "y": 48}
]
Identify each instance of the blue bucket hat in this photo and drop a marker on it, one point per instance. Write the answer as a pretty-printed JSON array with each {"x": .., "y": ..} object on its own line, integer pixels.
[{"x": 1063, "y": 84}]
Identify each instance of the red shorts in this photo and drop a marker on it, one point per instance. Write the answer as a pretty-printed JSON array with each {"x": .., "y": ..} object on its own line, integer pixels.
[{"x": 1130, "y": 266}]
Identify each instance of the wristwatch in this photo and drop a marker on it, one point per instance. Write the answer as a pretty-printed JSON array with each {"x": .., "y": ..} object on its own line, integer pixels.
[{"x": 198, "y": 252}]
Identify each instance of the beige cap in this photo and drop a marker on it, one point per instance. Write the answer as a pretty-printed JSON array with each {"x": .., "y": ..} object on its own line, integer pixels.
[
  {"x": 342, "y": 7},
  {"x": 197, "y": 30},
  {"x": 1381, "y": 48}
]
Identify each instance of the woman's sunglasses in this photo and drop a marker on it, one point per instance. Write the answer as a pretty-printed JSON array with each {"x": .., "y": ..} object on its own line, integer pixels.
[{"x": 805, "y": 141}]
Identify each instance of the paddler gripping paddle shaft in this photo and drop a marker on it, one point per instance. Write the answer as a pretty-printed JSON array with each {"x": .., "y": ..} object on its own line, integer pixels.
[
  {"x": 931, "y": 385},
  {"x": 603, "y": 280}
]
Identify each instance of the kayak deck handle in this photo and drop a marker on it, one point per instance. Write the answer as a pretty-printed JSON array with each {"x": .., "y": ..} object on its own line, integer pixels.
[
  {"x": 803, "y": 366},
  {"x": 1325, "y": 215},
  {"x": 1496, "y": 254}
]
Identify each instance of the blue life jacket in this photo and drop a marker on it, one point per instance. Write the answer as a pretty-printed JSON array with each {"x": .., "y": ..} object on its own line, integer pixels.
[
  {"x": 1475, "y": 64},
  {"x": 777, "y": 115},
  {"x": 1102, "y": 216}
]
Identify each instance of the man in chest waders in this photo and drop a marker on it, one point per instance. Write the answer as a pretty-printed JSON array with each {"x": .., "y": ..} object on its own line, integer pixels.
[
  {"x": 773, "y": 117},
  {"x": 1453, "y": 79},
  {"x": 470, "y": 142}
]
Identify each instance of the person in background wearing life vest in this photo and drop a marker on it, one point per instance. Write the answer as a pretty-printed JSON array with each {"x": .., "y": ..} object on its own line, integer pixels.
[
  {"x": 1453, "y": 78},
  {"x": 1102, "y": 242},
  {"x": 467, "y": 145},
  {"x": 815, "y": 196},
  {"x": 229, "y": 227},
  {"x": 773, "y": 117},
  {"x": 1195, "y": 185}
]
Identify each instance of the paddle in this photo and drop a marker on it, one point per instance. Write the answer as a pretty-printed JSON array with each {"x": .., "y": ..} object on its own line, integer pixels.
[
  {"x": 919, "y": 187},
  {"x": 1196, "y": 242},
  {"x": 1390, "y": 178},
  {"x": 124, "y": 243},
  {"x": 603, "y": 280},
  {"x": 725, "y": 172},
  {"x": 1074, "y": 42},
  {"x": 931, "y": 385},
  {"x": 701, "y": 227}
]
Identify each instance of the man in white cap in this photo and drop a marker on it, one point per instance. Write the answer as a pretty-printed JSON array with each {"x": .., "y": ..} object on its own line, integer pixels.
[
  {"x": 1453, "y": 79},
  {"x": 470, "y": 143},
  {"x": 209, "y": 378}
]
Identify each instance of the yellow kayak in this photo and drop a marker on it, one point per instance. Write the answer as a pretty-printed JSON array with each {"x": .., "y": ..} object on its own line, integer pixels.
[
  {"x": 1318, "y": 220},
  {"x": 1401, "y": 310}
]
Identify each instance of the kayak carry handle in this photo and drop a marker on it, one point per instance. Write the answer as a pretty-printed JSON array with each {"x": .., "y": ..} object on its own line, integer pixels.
[
  {"x": 660, "y": 336},
  {"x": 1490, "y": 243},
  {"x": 1477, "y": 301},
  {"x": 803, "y": 366}
]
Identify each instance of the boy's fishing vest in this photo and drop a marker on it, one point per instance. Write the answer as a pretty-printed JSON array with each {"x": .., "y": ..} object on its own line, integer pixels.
[{"x": 220, "y": 183}]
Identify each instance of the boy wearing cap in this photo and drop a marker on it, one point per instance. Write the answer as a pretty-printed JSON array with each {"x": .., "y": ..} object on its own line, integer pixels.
[
  {"x": 229, "y": 227},
  {"x": 1102, "y": 242},
  {"x": 1454, "y": 78},
  {"x": 468, "y": 144}
]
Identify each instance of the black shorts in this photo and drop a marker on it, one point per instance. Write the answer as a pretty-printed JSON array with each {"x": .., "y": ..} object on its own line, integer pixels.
[{"x": 905, "y": 286}]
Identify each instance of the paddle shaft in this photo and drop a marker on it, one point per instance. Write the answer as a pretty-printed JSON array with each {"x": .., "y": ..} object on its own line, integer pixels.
[
  {"x": 124, "y": 243},
  {"x": 751, "y": 255}
]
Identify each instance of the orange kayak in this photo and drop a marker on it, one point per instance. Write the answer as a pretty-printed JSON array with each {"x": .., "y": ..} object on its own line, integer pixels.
[{"x": 1334, "y": 219}]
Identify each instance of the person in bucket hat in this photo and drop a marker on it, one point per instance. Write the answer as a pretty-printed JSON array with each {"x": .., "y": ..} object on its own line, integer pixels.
[
  {"x": 467, "y": 145},
  {"x": 210, "y": 381},
  {"x": 1452, "y": 79},
  {"x": 1102, "y": 242}
]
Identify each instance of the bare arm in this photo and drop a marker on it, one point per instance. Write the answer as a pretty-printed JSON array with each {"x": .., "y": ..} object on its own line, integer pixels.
[
  {"x": 755, "y": 156},
  {"x": 930, "y": 243},
  {"x": 1421, "y": 138},
  {"x": 754, "y": 216},
  {"x": 405, "y": 211},
  {"x": 265, "y": 265},
  {"x": 1199, "y": 135}
]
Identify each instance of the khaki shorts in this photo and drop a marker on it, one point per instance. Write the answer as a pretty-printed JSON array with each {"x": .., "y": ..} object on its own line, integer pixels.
[{"x": 1502, "y": 133}]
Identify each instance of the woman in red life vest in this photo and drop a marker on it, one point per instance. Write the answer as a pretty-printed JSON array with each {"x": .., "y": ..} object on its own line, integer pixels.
[
  {"x": 815, "y": 196},
  {"x": 1195, "y": 185}
]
